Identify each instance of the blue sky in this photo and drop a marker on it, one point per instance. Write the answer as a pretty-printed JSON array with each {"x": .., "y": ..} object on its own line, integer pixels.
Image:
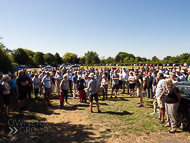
[{"x": 145, "y": 28}]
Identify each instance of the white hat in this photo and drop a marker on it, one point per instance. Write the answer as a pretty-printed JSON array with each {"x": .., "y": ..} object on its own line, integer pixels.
[
  {"x": 182, "y": 70},
  {"x": 177, "y": 70},
  {"x": 29, "y": 70},
  {"x": 91, "y": 75},
  {"x": 5, "y": 76},
  {"x": 79, "y": 76},
  {"x": 65, "y": 75}
]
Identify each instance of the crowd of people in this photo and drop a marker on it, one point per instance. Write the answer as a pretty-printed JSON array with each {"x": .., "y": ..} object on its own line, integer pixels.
[{"x": 90, "y": 83}]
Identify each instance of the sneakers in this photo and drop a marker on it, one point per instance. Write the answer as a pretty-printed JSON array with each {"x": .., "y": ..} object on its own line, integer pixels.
[
  {"x": 67, "y": 103},
  {"x": 73, "y": 97},
  {"x": 161, "y": 122},
  {"x": 157, "y": 118},
  {"x": 138, "y": 103},
  {"x": 140, "y": 106}
]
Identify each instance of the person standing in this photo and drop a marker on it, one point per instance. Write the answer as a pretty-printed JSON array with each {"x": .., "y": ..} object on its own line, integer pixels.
[
  {"x": 125, "y": 80},
  {"x": 6, "y": 93},
  {"x": 139, "y": 85},
  {"x": 160, "y": 97},
  {"x": 131, "y": 80},
  {"x": 86, "y": 94},
  {"x": 22, "y": 89},
  {"x": 13, "y": 86},
  {"x": 28, "y": 86},
  {"x": 80, "y": 88},
  {"x": 172, "y": 98},
  {"x": 69, "y": 78},
  {"x": 149, "y": 85},
  {"x": 104, "y": 83},
  {"x": 93, "y": 89},
  {"x": 74, "y": 80},
  {"x": 99, "y": 78},
  {"x": 115, "y": 83},
  {"x": 46, "y": 83},
  {"x": 120, "y": 79},
  {"x": 40, "y": 77},
  {"x": 64, "y": 87},
  {"x": 59, "y": 78},
  {"x": 36, "y": 84}
]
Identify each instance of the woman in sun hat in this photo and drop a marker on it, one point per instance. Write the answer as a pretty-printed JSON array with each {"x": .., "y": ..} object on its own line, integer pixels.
[{"x": 6, "y": 93}]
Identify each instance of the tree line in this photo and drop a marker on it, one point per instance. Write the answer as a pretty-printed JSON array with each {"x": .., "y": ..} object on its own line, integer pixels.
[{"x": 23, "y": 56}]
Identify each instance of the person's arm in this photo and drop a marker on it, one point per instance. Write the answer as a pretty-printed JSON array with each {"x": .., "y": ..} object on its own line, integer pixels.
[
  {"x": 141, "y": 84},
  {"x": 61, "y": 85},
  {"x": 164, "y": 88},
  {"x": 178, "y": 96}
]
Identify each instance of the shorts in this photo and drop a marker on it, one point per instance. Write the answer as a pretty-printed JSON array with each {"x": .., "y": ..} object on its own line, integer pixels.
[
  {"x": 155, "y": 102},
  {"x": 139, "y": 92},
  {"x": 95, "y": 96},
  {"x": 36, "y": 91},
  {"x": 132, "y": 86},
  {"x": 160, "y": 102},
  {"x": 47, "y": 92},
  {"x": 6, "y": 98},
  {"x": 115, "y": 86},
  {"x": 21, "y": 96}
]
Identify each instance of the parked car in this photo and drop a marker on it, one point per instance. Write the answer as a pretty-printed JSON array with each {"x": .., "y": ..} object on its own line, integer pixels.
[
  {"x": 76, "y": 67},
  {"x": 169, "y": 64},
  {"x": 19, "y": 67},
  {"x": 64, "y": 65},
  {"x": 183, "y": 113},
  {"x": 175, "y": 64},
  {"x": 49, "y": 68},
  {"x": 186, "y": 64},
  {"x": 164, "y": 65},
  {"x": 140, "y": 64}
]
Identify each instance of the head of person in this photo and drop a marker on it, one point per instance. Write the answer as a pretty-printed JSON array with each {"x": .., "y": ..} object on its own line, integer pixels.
[
  {"x": 131, "y": 73},
  {"x": 97, "y": 73},
  {"x": 13, "y": 76},
  {"x": 47, "y": 74},
  {"x": 160, "y": 75},
  {"x": 26, "y": 74},
  {"x": 177, "y": 71},
  {"x": 43, "y": 72},
  {"x": 36, "y": 75},
  {"x": 20, "y": 73},
  {"x": 65, "y": 76},
  {"x": 115, "y": 71},
  {"x": 136, "y": 73},
  {"x": 91, "y": 75},
  {"x": 104, "y": 76},
  {"x": 169, "y": 84},
  {"x": 79, "y": 77},
  {"x": 5, "y": 77}
]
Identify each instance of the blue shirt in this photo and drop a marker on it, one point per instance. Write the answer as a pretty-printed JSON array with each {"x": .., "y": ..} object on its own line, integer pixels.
[
  {"x": 159, "y": 88},
  {"x": 75, "y": 78},
  {"x": 13, "y": 83},
  {"x": 154, "y": 81}
]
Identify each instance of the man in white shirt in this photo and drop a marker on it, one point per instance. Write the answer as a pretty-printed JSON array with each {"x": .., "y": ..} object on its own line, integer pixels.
[
  {"x": 46, "y": 82},
  {"x": 125, "y": 79},
  {"x": 69, "y": 78}
]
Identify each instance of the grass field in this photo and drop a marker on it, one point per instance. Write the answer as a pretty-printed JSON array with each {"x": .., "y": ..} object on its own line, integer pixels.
[{"x": 120, "y": 121}]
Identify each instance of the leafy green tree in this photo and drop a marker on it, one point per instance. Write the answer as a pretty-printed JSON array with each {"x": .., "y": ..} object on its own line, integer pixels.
[
  {"x": 58, "y": 59},
  {"x": 155, "y": 59},
  {"x": 39, "y": 58},
  {"x": 91, "y": 58},
  {"x": 29, "y": 52},
  {"x": 110, "y": 60},
  {"x": 126, "y": 60},
  {"x": 5, "y": 62},
  {"x": 49, "y": 58},
  {"x": 137, "y": 59},
  {"x": 118, "y": 58},
  {"x": 68, "y": 57},
  {"x": 20, "y": 56}
]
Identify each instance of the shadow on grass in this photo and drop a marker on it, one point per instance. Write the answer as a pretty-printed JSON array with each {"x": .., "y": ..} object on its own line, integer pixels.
[
  {"x": 48, "y": 132},
  {"x": 117, "y": 113},
  {"x": 117, "y": 99}
]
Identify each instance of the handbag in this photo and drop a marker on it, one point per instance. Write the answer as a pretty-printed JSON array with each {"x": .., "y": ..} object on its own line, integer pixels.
[{"x": 62, "y": 99}]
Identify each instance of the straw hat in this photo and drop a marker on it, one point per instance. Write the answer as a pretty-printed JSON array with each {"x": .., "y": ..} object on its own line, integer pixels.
[
  {"x": 5, "y": 76},
  {"x": 91, "y": 75}
]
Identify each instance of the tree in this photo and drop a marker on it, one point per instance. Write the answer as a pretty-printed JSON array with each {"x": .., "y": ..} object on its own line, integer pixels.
[
  {"x": 5, "y": 62},
  {"x": 123, "y": 55},
  {"x": 110, "y": 60},
  {"x": 67, "y": 57},
  {"x": 49, "y": 58},
  {"x": 29, "y": 52},
  {"x": 91, "y": 58},
  {"x": 118, "y": 58},
  {"x": 155, "y": 59},
  {"x": 58, "y": 59},
  {"x": 126, "y": 60},
  {"x": 20, "y": 56},
  {"x": 39, "y": 58},
  {"x": 137, "y": 59}
]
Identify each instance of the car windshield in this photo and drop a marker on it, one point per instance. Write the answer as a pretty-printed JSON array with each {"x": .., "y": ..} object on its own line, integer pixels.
[{"x": 184, "y": 90}]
